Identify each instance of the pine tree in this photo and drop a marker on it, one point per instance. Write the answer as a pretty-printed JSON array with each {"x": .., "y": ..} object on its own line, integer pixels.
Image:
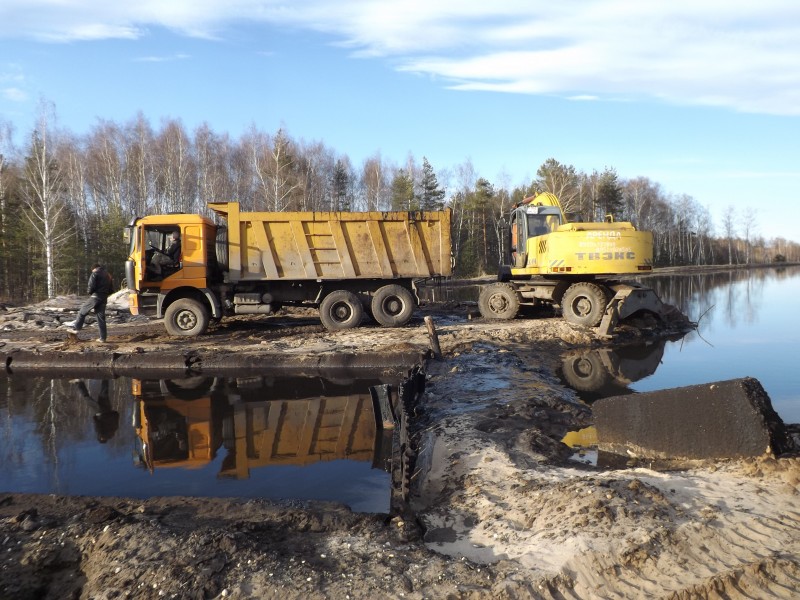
[
  {"x": 431, "y": 196},
  {"x": 340, "y": 185},
  {"x": 403, "y": 197},
  {"x": 609, "y": 193}
]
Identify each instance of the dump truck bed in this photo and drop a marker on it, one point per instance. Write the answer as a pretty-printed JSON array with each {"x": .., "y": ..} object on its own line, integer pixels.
[{"x": 336, "y": 245}]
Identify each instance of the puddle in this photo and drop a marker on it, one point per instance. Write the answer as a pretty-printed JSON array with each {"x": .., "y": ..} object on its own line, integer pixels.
[
  {"x": 281, "y": 438},
  {"x": 584, "y": 444}
]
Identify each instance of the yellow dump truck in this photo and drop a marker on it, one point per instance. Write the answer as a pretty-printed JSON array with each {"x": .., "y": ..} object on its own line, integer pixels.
[
  {"x": 572, "y": 264},
  {"x": 343, "y": 263}
]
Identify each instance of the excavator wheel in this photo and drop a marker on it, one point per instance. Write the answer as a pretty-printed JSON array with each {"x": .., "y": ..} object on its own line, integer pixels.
[
  {"x": 498, "y": 301},
  {"x": 584, "y": 304}
]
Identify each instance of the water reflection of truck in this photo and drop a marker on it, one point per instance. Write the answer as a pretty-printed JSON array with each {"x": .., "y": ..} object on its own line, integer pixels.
[
  {"x": 186, "y": 424},
  {"x": 571, "y": 264},
  {"x": 343, "y": 263},
  {"x": 599, "y": 372}
]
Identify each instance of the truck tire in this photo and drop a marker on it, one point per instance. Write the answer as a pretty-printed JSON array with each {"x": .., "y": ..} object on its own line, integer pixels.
[
  {"x": 186, "y": 317},
  {"x": 341, "y": 310},
  {"x": 392, "y": 305},
  {"x": 584, "y": 304},
  {"x": 498, "y": 301}
]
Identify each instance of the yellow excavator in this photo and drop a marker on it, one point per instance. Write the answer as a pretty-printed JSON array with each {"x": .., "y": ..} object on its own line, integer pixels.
[{"x": 574, "y": 265}]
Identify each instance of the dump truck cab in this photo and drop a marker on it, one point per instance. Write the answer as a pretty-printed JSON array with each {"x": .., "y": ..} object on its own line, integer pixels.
[{"x": 182, "y": 282}]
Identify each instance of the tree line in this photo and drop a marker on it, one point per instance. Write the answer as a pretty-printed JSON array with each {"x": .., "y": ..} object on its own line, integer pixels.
[{"x": 65, "y": 198}]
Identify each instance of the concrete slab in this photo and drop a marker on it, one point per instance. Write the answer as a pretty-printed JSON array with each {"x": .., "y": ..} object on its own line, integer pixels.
[{"x": 724, "y": 419}]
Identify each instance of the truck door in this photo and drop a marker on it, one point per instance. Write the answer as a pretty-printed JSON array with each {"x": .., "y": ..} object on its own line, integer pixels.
[
  {"x": 163, "y": 253},
  {"x": 519, "y": 239}
]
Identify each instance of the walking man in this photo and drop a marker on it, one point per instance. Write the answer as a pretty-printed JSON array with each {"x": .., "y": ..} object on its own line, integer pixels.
[{"x": 99, "y": 288}]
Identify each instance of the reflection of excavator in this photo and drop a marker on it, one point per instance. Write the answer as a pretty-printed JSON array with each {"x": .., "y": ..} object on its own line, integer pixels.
[
  {"x": 597, "y": 373},
  {"x": 573, "y": 265},
  {"x": 258, "y": 422}
]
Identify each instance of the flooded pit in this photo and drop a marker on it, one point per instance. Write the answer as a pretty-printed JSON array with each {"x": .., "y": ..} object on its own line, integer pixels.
[
  {"x": 745, "y": 329},
  {"x": 316, "y": 438}
]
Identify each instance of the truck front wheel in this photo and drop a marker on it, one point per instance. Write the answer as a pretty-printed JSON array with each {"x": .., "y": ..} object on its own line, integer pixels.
[
  {"x": 186, "y": 318},
  {"x": 584, "y": 304},
  {"x": 392, "y": 305},
  {"x": 341, "y": 310},
  {"x": 498, "y": 301}
]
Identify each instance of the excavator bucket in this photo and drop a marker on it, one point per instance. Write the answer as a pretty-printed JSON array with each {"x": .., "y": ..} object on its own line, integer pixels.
[{"x": 630, "y": 298}]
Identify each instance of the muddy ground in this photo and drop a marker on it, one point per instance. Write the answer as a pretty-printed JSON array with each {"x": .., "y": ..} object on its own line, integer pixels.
[{"x": 497, "y": 509}]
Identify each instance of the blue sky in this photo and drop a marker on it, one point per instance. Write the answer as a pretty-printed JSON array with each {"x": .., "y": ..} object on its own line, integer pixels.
[{"x": 701, "y": 97}]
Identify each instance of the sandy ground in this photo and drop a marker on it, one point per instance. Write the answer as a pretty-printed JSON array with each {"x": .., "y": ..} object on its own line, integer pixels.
[{"x": 497, "y": 509}]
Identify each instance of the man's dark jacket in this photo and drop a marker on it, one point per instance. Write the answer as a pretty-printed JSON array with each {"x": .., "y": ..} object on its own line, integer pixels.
[{"x": 100, "y": 283}]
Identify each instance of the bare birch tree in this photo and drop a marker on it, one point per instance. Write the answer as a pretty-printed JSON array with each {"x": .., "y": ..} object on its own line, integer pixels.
[
  {"x": 729, "y": 227},
  {"x": 140, "y": 167},
  {"x": 212, "y": 152},
  {"x": 373, "y": 182},
  {"x": 43, "y": 195},
  {"x": 73, "y": 168},
  {"x": 561, "y": 180},
  {"x": 105, "y": 167},
  {"x": 5, "y": 146},
  {"x": 175, "y": 184}
]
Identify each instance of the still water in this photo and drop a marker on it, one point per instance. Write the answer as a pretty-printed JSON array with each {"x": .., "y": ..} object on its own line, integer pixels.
[
  {"x": 748, "y": 327},
  {"x": 260, "y": 437}
]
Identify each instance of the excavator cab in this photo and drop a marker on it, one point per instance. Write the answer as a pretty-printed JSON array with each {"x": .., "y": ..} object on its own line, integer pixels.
[{"x": 529, "y": 222}]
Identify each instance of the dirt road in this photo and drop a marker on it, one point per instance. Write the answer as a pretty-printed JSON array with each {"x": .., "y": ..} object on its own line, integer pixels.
[{"x": 497, "y": 509}]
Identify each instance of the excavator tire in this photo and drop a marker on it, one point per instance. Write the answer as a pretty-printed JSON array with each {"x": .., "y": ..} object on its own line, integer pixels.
[
  {"x": 584, "y": 304},
  {"x": 498, "y": 301}
]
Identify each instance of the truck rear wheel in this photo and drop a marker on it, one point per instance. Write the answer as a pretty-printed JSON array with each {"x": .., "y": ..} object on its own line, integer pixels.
[
  {"x": 584, "y": 304},
  {"x": 498, "y": 301},
  {"x": 392, "y": 305},
  {"x": 341, "y": 310},
  {"x": 186, "y": 317}
]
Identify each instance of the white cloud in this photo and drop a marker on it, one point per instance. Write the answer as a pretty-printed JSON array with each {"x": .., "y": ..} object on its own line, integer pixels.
[
  {"x": 14, "y": 94},
  {"x": 12, "y": 82},
  {"x": 159, "y": 59},
  {"x": 735, "y": 54}
]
